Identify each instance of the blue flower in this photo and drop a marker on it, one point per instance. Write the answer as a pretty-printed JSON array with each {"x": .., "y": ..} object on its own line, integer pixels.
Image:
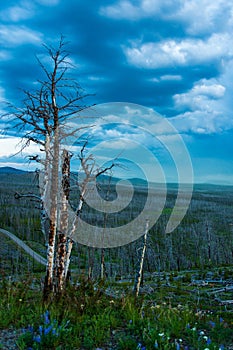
[
  {"x": 208, "y": 341},
  {"x": 212, "y": 324},
  {"x": 37, "y": 338},
  {"x": 221, "y": 319},
  {"x": 177, "y": 346},
  {"x": 46, "y": 317},
  {"x": 156, "y": 345},
  {"x": 47, "y": 330},
  {"x": 55, "y": 332},
  {"x": 221, "y": 347},
  {"x": 30, "y": 329},
  {"x": 40, "y": 330}
]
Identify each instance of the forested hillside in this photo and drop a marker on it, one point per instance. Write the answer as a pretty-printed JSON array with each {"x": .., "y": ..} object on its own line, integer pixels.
[{"x": 203, "y": 239}]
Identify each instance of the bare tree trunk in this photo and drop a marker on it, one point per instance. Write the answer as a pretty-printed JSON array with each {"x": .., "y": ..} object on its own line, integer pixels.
[
  {"x": 69, "y": 246},
  {"x": 46, "y": 190},
  {"x": 63, "y": 223},
  {"x": 91, "y": 258},
  {"x": 139, "y": 274},
  {"x": 70, "y": 242},
  {"x": 209, "y": 241},
  {"x": 49, "y": 282},
  {"x": 102, "y": 266}
]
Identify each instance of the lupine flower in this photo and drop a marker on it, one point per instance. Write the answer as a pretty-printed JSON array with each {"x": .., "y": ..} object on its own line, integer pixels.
[
  {"x": 37, "y": 338},
  {"x": 156, "y": 345},
  {"x": 208, "y": 341},
  {"x": 221, "y": 347},
  {"x": 221, "y": 319},
  {"x": 40, "y": 329},
  {"x": 30, "y": 329},
  {"x": 46, "y": 317},
  {"x": 54, "y": 332},
  {"x": 47, "y": 330},
  {"x": 212, "y": 324}
]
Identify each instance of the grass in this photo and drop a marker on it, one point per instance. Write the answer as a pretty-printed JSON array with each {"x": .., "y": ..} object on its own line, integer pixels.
[{"x": 86, "y": 318}]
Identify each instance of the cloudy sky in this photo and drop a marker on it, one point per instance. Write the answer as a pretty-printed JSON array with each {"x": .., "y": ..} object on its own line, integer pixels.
[{"x": 173, "y": 57}]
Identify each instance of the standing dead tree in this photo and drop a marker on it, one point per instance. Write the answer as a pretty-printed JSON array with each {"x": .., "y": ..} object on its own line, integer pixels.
[
  {"x": 138, "y": 279},
  {"x": 41, "y": 120}
]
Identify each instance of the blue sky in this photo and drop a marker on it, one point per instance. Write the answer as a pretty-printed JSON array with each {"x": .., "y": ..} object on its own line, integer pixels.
[{"x": 173, "y": 57}]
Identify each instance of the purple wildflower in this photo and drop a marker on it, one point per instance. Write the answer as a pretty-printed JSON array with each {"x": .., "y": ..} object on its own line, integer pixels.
[
  {"x": 40, "y": 330},
  {"x": 47, "y": 330},
  {"x": 46, "y": 317},
  {"x": 30, "y": 329},
  {"x": 37, "y": 338},
  {"x": 212, "y": 324}
]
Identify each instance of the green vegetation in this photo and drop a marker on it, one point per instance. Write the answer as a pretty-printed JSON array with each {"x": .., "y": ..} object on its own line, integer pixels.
[
  {"x": 86, "y": 317},
  {"x": 179, "y": 305}
]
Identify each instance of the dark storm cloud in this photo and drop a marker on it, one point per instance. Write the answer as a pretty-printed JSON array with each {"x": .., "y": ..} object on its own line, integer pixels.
[{"x": 175, "y": 57}]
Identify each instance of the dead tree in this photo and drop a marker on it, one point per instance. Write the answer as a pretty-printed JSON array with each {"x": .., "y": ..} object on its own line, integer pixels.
[
  {"x": 41, "y": 120},
  {"x": 138, "y": 279},
  {"x": 91, "y": 171}
]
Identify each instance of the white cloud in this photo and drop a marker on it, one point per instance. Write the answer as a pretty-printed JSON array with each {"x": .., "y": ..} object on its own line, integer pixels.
[
  {"x": 16, "y": 13},
  {"x": 166, "y": 77},
  {"x": 11, "y": 145},
  {"x": 17, "y": 35},
  {"x": 122, "y": 10},
  {"x": 135, "y": 10},
  {"x": 200, "y": 122},
  {"x": 205, "y": 106},
  {"x": 198, "y": 16},
  {"x": 170, "y": 77},
  {"x": 184, "y": 52},
  {"x": 204, "y": 16},
  {"x": 200, "y": 94}
]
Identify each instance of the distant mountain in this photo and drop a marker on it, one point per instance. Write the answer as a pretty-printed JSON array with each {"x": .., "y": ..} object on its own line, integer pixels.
[{"x": 10, "y": 170}]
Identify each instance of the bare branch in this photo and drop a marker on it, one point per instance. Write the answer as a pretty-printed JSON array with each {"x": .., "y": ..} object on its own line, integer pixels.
[{"x": 27, "y": 195}]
